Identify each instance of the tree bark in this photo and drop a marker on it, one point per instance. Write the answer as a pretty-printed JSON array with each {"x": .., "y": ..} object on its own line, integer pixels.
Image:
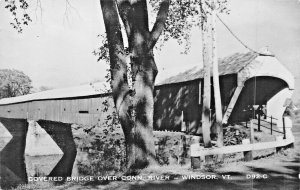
[
  {"x": 207, "y": 62},
  {"x": 144, "y": 70},
  {"x": 216, "y": 83},
  {"x": 141, "y": 142}
]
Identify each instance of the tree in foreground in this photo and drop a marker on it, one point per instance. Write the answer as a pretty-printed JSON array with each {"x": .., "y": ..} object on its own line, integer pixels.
[
  {"x": 133, "y": 91},
  {"x": 135, "y": 102},
  {"x": 14, "y": 83}
]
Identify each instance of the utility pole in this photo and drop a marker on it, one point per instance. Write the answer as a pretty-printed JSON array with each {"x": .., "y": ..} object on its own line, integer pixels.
[{"x": 216, "y": 82}]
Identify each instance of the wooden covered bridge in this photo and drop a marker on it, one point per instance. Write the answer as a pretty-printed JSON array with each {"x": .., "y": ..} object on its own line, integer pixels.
[{"x": 245, "y": 80}]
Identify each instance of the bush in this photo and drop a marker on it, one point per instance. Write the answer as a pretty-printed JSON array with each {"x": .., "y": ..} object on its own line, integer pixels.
[
  {"x": 233, "y": 136},
  {"x": 102, "y": 147},
  {"x": 169, "y": 148}
]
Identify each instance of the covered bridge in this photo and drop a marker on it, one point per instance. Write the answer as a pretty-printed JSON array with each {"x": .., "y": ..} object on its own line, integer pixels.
[{"x": 245, "y": 79}]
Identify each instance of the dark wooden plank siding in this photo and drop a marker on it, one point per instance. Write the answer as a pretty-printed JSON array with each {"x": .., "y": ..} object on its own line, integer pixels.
[{"x": 171, "y": 100}]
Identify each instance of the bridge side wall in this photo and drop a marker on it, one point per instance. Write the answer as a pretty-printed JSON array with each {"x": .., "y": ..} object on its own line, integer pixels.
[
  {"x": 170, "y": 102},
  {"x": 174, "y": 99},
  {"x": 86, "y": 111}
]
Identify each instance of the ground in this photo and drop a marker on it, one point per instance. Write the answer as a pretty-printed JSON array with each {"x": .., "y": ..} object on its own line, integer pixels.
[{"x": 277, "y": 171}]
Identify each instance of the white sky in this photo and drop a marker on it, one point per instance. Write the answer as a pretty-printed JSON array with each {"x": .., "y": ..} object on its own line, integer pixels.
[{"x": 56, "y": 50}]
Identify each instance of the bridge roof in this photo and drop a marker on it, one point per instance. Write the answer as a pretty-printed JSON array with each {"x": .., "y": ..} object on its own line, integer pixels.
[
  {"x": 228, "y": 65},
  {"x": 92, "y": 89}
]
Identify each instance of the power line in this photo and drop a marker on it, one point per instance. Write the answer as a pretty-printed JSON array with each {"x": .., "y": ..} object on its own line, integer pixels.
[
  {"x": 247, "y": 47},
  {"x": 238, "y": 39}
]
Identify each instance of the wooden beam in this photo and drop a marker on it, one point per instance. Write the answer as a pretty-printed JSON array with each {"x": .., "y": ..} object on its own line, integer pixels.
[
  {"x": 198, "y": 151},
  {"x": 231, "y": 105},
  {"x": 248, "y": 156}
]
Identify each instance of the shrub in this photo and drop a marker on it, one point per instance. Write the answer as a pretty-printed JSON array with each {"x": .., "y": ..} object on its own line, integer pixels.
[{"x": 233, "y": 136}]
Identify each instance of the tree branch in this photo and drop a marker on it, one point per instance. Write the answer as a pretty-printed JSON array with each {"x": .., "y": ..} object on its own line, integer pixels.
[
  {"x": 124, "y": 8},
  {"x": 111, "y": 22},
  {"x": 140, "y": 15},
  {"x": 118, "y": 66},
  {"x": 159, "y": 23}
]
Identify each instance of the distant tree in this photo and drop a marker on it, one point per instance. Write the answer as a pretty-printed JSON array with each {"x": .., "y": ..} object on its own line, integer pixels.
[{"x": 14, "y": 83}]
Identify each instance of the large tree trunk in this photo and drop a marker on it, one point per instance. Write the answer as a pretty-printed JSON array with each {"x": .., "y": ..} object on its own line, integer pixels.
[
  {"x": 134, "y": 106},
  {"x": 141, "y": 142}
]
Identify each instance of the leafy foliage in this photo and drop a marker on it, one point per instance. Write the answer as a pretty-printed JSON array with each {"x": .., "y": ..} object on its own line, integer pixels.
[
  {"x": 183, "y": 15},
  {"x": 233, "y": 136},
  {"x": 103, "y": 55},
  {"x": 102, "y": 52},
  {"x": 103, "y": 143},
  {"x": 169, "y": 151},
  {"x": 14, "y": 83},
  {"x": 18, "y": 11}
]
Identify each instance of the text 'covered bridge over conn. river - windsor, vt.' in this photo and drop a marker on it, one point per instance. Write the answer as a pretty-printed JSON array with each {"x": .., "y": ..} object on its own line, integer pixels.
[{"x": 245, "y": 80}]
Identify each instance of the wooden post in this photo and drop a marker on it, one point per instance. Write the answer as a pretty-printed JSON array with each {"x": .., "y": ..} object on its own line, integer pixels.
[
  {"x": 182, "y": 150},
  {"x": 271, "y": 125},
  {"x": 200, "y": 93},
  {"x": 248, "y": 154},
  {"x": 258, "y": 129},
  {"x": 195, "y": 161},
  {"x": 199, "y": 127},
  {"x": 251, "y": 131},
  {"x": 183, "y": 125},
  {"x": 284, "y": 133}
]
